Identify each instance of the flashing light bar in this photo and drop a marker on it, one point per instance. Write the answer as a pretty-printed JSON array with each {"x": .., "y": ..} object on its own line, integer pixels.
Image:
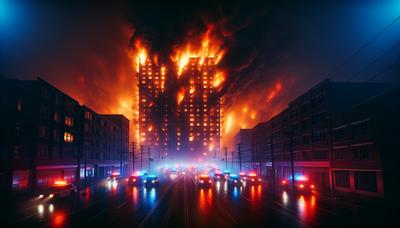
[{"x": 60, "y": 182}]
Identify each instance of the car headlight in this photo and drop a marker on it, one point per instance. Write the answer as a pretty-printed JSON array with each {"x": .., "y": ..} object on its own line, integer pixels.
[
  {"x": 40, "y": 196},
  {"x": 235, "y": 181},
  {"x": 144, "y": 181},
  {"x": 51, "y": 196},
  {"x": 153, "y": 181}
]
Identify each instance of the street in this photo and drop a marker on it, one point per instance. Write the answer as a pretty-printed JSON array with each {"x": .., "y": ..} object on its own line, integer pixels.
[{"x": 181, "y": 203}]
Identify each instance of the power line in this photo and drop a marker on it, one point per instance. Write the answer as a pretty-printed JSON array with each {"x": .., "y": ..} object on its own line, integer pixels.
[
  {"x": 363, "y": 47},
  {"x": 384, "y": 70},
  {"x": 374, "y": 61}
]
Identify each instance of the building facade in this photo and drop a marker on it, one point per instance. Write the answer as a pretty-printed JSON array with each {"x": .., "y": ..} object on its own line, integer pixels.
[
  {"x": 153, "y": 107},
  {"x": 302, "y": 133},
  {"x": 198, "y": 111},
  {"x": 48, "y": 135}
]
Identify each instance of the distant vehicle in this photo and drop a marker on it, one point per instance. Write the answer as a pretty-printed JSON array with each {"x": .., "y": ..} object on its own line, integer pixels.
[
  {"x": 204, "y": 180},
  {"x": 136, "y": 179},
  {"x": 227, "y": 174},
  {"x": 114, "y": 177},
  {"x": 234, "y": 180},
  {"x": 253, "y": 178},
  {"x": 218, "y": 176},
  {"x": 60, "y": 189},
  {"x": 302, "y": 185},
  {"x": 242, "y": 176},
  {"x": 151, "y": 181}
]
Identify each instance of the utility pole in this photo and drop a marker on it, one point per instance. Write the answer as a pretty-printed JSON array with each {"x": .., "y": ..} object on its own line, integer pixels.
[
  {"x": 120, "y": 161},
  {"x": 148, "y": 159},
  {"x": 133, "y": 156},
  {"x": 290, "y": 134},
  {"x": 232, "y": 160},
  {"x": 240, "y": 157},
  {"x": 272, "y": 160},
  {"x": 226, "y": 158},
  {"x": 141, "y": 157}
]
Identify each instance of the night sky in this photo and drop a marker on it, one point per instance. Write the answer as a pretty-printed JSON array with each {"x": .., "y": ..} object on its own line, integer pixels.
[{"x": 275, "y": 51}]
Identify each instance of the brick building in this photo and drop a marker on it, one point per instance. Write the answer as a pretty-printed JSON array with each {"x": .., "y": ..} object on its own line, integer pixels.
[
  {"x": 43, "y": 136},
  {"x": 302, "y": 132}
]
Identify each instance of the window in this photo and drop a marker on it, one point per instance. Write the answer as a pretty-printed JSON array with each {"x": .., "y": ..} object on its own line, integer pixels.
[
  {"x": 43, "y": 132},
  {"x": 56, "y": 117},
  {"x": 56, "y": 134},
  {"x": 69, "y": 121},
  {"x": 318, "y": 118},
  {"x": 43, "y": 151},
  {"x": 361, "y": 153},
  {"x": 320, "y": 135},
  {"x": 321, "y": 155},
  {"x": 17, "y": 128},
  {"x": 19, "y": 105},
  {"x": 69, "y": 106},
  {"x": 339, "y": 134},
  {"x": 45, "y": 93},
  {"x": 17, "y": 152},
  {"x": 44, "y": 112},
  {"x": 68, "y": 137},
  {"x": 365, "y": 180},
  {"x": 57, "y": 99},
  {"x": 306, "y": 155},
  {"x": 342, "y": 179},
  {"x": 340, "y": 153},
  {"x": 360, "y": 130},
  {"x": 88, "y": 115}
]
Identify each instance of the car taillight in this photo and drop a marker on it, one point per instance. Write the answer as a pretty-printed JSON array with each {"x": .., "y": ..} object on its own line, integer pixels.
[
  {"x": 283, "y": 182},
  {"x": 209, "y": 181},
  {"x": 252, "y": 179},
  {"x": 40, "y": 196},
  {"x": 301, "y": 186},
  {"x": 134, "y": 179},
  {"x": 312, "y": 186},
  {"x": 259, "y": 179},
  {"x": 51, "y": 196},
  {"x": 201, "y": 181}
]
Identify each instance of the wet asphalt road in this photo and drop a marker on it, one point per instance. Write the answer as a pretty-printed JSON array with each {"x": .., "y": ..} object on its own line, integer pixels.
[{"x": 181, "y": 203}]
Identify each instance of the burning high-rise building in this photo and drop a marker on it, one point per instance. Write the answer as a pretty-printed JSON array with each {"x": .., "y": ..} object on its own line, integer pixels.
[
  {"x": 153, "y": 107},
  {"x": 198, "y": 110},
  {"x": 179, "y": 110}
]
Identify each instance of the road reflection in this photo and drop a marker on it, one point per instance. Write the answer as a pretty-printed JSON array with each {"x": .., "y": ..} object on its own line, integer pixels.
[
  {"x": 58, "y": 219},
  {"x": 205, "y": 200},
  {"x": 306, "y": 207},
  {"x": 256, "y": 193},
  {"x": 150, "y": 196}
]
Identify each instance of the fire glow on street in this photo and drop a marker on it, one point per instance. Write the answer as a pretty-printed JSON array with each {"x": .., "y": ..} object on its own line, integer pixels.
[{"x": 199, "y": 113}]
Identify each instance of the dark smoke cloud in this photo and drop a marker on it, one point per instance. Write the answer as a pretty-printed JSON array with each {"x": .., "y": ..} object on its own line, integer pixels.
[{"x": 249, "y": 31}]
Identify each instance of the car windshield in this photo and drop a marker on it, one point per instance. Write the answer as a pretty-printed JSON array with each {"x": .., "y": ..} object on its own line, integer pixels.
[{"x": 152, "y": 178}]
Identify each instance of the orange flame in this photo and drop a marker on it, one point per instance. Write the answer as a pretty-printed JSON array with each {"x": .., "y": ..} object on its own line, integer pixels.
[
  {"x": 246, "y": 111},
  {"x": 181, "y": 96},
  {"x": 218, "y": 79},
  {"x": 139, "y": 55},
  {"x": 208, "y": 46}
]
